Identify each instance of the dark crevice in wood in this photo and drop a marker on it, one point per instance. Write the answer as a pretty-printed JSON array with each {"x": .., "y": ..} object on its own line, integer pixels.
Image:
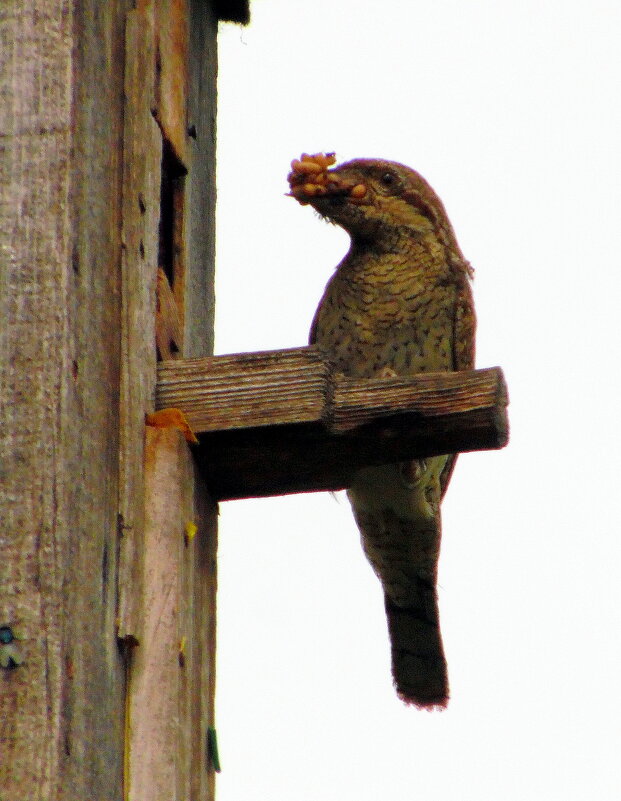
[
  {"x": 171, "y": 188},
  {"x": 170, "y": 311}
]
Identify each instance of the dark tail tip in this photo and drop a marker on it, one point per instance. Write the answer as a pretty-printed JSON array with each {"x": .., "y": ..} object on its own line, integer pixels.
[{"x": 418, "y": 664}]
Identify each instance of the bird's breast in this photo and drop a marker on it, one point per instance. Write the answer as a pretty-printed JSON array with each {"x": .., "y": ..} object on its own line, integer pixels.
[{"x": 385, "y": 314}]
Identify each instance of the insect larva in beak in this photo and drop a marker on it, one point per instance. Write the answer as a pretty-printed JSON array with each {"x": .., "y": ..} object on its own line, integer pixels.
[
  {"x": 309, "y": 167},
  {"x": 326, "y": 160}
]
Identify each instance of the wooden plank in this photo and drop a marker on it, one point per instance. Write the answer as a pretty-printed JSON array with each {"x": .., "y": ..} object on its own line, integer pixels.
[
  {"x": 247, "y": 389},
  {"x": 173, "y": 667},
  {"x": 36, "y": 230},
  {"x": 171, "y": 692},
  {"x": 279, "y": 421},
  {"x": 168, "y": 330},
  {"x": 201, "y": 560},
  {"x": 142, "y": 149},
  {"x": 171, "y": 22},
  {"x": 60, "y": 197},
  {"x": 200, "y": 184},
  {"x": 153, "y": 708},
  {"x": 361, "y": 403}
]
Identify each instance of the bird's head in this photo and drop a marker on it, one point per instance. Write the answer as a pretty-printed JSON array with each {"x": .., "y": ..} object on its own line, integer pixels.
[{"x": 374, "y": 200}]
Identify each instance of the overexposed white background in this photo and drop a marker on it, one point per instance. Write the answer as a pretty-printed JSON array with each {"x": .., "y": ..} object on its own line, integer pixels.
[{"x": 512, "y": 112}]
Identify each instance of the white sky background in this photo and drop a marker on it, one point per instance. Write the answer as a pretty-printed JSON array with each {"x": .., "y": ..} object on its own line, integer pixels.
[{"x": 512, "y": 112}]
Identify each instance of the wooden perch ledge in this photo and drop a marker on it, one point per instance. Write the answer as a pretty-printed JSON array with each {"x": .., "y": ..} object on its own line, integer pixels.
[{"x": 282, "y": 421}]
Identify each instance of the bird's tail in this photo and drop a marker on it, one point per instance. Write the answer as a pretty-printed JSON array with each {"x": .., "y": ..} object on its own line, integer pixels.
[
  {"x": 397, "y": 509},
  {"x": 418, "y": 664}
]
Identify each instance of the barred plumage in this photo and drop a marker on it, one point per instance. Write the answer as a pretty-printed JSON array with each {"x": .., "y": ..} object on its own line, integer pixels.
[{"x": 399, "y": 304}]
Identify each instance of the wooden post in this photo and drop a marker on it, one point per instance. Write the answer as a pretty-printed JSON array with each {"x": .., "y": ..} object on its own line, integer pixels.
[
  {"x": 173, "y": 672},
  {"x": 141, "y": 214},
  {"x": 61, "y": 125},
  {"x": 167, "y": 575},
  {"x": 81, "y": 233}
]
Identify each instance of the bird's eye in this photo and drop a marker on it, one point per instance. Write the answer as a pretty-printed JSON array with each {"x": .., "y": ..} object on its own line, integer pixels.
[{"x": 388, "y": 181}]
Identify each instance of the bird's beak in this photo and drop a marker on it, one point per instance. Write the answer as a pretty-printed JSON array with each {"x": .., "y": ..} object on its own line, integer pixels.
[{"x": 311, "y": 180}]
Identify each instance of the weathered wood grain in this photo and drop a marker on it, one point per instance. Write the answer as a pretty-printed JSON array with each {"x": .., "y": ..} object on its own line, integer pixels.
[
  {"x": 171, "y": 692},
  {"x": 167, "y": 582},
  {"x": 142, "y": 147},
  {"x": 358, "y": 403},
  {"x": 171, "y": 23},
  {"x": 280, "y": 421},
  {"x": 200, "y": 184},
  {"x": 246, "y": 390},
  {"x": 60, "y": 210},
  {"x": 168, "y": 332}
]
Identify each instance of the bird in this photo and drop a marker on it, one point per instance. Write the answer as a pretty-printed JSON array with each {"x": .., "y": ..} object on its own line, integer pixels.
[{"x": 399, "y": 304}]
